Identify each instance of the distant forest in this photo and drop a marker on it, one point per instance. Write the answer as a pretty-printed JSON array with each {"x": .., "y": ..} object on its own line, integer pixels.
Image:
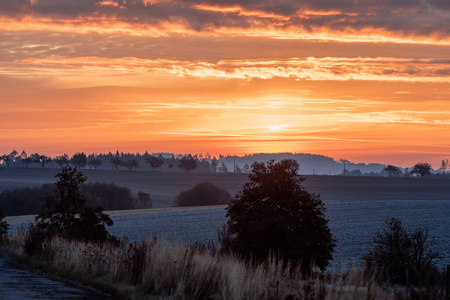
[{"x": 310, "y": 164}]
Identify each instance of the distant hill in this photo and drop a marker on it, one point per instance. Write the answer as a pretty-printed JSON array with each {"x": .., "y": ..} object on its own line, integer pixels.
[{"x": 309, "y": 163}]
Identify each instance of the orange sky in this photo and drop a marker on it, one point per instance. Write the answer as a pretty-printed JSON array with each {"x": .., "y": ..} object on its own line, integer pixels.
[{"x": 367, "y": 82}]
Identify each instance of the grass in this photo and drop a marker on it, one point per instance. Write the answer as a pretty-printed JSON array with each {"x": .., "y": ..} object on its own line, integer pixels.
[
  {"x": 163, "y": 187},
  {"x": 159, "y": 269}
]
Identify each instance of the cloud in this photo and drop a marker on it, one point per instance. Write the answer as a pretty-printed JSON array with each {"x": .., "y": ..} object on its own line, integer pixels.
[
  {"x": 414, "y": 19},
  {"x": 310, "y": 68}
]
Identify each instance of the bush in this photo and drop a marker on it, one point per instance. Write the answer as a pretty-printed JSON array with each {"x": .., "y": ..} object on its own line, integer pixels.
[
  {"x": 203, "y": 194},
  {"x": 404, "y": 257},
  {"x": 107, "y": 195},
  {"x": 274, "y": 214}
]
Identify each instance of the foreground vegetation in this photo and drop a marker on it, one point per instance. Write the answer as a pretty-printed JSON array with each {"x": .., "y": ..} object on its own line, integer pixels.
[{"x": 158, "y": 268}]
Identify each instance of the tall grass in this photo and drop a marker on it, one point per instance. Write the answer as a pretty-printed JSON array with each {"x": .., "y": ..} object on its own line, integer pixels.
[{"x": 160, "y": 268}]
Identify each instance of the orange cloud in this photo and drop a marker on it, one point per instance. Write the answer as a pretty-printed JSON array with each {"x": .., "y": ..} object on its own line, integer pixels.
[{"x": 311, "y": 68}]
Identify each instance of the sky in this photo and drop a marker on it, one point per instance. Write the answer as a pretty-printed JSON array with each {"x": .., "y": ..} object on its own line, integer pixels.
[{"x": 363, "y": 80}]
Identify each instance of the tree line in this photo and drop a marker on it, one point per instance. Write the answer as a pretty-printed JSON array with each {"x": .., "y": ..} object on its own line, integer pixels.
[
  {"x": 123, "y": 161},
  {"x": 194, "y": 163}
]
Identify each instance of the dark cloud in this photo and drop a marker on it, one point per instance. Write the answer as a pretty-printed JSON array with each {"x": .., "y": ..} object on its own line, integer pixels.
[{"x": 412, "y": 17}]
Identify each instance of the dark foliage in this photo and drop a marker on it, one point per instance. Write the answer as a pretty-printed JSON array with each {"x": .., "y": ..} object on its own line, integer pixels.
[
  {"x": 143, "y": 200},
  {"x": 116, "y": 161},
  {"x": 203, "y": 194},
  {"x": 79, "y": 160},
  {"x": 404, "y": 257},
  {"x": 3, "y": 224},
  {"x": 29, "y": 201},
  {"x": 423, "y": 169},
  {"x": 274, "y": 214},
  {"x": 95, "y": 162},
  {"x": 155, "y": 162},
  {"x": 187, "y": 163},
  {"x": 130, "y": 164},
  {"x": 107, "y": 195},
  {"x": 65, "y": 213}
]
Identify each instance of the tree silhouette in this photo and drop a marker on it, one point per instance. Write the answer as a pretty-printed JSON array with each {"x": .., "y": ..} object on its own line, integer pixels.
[
  {"x": 79, "y": 160},
  {"x": 214, "y": 164},
  {"x": 203, "y": 194},
  {"x": 444, "y": 166},
  {"x": 392, "y": 170},
  {"x": 116, "y": 161},
  {"x": 5, "y": 158},
  {"x": 62, "y": 160},
  {"x": 44, "y": 159},
  {"x": 155, "y": 162},
  {"x": 95, "y": 162},
  {"x": 398, "y": 251},
  {"x": 223, "y": 168},
  {"x": 274, "y": 214},
  {"x": 66, "y": 213},
  {"x": 187, "y": 163},
  {"x": 130, "y": 164},
  {"x": 423, "y": 169}
]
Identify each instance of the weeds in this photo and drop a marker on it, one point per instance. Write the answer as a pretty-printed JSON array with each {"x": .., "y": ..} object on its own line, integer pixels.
[{"x": 159, "y": 268}]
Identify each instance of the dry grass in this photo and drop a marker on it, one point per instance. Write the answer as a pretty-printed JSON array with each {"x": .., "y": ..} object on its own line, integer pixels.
[{"x": 160, "y": 269}]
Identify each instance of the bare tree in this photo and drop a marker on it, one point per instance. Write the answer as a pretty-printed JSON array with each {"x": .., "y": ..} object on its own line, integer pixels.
[{"x": 444, "y": 166}]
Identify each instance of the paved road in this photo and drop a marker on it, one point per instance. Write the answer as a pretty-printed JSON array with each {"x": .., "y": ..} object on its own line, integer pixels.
[{"x": 18, "y": 282}]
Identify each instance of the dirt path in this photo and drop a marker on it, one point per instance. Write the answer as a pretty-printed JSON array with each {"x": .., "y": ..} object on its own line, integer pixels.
[{"x": 19, "y": 282}]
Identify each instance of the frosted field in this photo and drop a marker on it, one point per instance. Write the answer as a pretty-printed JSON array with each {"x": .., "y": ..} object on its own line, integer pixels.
[{"x": 352, "y": 223}]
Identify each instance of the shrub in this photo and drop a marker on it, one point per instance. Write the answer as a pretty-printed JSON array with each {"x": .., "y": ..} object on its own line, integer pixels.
[
  {"x": 274, "y": 214},
  {"x": 143, "y": 200},
  {"x": 107, "y": 195},
  {"x": 405, "y": 257},
  {"x": 203, "y": 194}
]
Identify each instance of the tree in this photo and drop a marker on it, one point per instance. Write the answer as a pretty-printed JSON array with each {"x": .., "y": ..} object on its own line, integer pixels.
[
  {"x": 5, "y": 158},
  {"x": 130, "y": 164},
  {"x": 203, "y": 194},
  {"x": 274, "y": 214},
  {"x": 155, "y": 162},
  {"x": 214, "y": 164},
  {"x": 187, "y": 163},
  {"x": 223, "y": 168},
  {"x": 422, "y": 169},
  {"x": 79, "y": 160},
  {"x": 392, "y": 170},
  {"x": 116, "y": 161},
  {"x": 23, "y": 158},
  {"x": 62, "y": 160},
  {"x": 398, "y": 252},
  {"x": 44, "y": 159},
  {"x": 144, "y": 201},
  {"x": 246, "y": 168},
  {"x": 66, "y": 214},
  {"x": 444, "y": 166},
  {"x": 13, "y": 156},
  {"x": 3, "y": 225},
  {"x": 95, "y": 162}
]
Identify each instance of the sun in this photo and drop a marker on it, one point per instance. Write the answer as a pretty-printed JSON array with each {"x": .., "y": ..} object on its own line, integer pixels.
[{"x": 277, "y": 128}]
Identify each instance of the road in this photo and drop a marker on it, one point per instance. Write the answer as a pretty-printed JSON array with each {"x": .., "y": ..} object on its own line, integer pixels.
[{"x": 18, "y": 282}]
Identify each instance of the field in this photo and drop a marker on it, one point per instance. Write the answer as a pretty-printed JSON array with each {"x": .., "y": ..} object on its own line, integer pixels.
[{"x": 163, "y": 187}]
